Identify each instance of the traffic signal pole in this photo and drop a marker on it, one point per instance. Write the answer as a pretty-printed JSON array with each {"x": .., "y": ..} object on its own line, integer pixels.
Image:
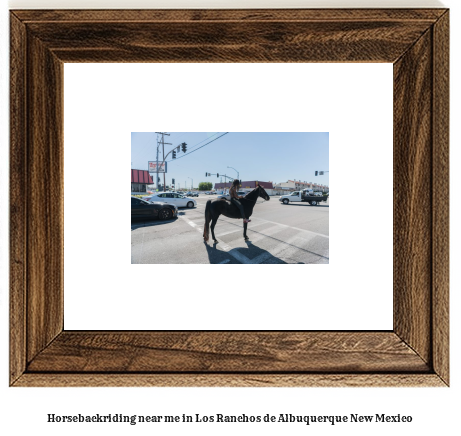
[
  {"x": 184, "y": 149},
  {"x": 163, "y": 148}
]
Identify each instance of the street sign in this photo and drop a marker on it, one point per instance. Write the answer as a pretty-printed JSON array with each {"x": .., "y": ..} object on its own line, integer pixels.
[{"x": 153, "y": 167}]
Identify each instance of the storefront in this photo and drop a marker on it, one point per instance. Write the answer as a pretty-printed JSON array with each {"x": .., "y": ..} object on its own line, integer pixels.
[{"x": 139, "y": 181}]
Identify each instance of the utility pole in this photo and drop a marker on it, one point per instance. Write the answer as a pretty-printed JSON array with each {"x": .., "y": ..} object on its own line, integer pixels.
[{"x": 163, "y": 149}]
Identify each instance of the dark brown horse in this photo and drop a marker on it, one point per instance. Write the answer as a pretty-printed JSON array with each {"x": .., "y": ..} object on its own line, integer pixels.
[{"x": 216, "y": 208}]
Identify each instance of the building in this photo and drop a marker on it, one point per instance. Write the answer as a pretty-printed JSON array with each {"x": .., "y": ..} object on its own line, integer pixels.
[
  {"x": 246, "y": 186},
  {"x": 139, "y": 181},
  {"x": 296, "y": 185}
]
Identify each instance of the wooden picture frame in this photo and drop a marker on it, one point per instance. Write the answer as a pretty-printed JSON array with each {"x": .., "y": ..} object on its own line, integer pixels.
[{"x": 414, "y": 353}]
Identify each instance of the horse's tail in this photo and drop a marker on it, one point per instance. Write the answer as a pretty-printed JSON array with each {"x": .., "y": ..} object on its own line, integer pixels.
[{"x": 206, "y": 228}]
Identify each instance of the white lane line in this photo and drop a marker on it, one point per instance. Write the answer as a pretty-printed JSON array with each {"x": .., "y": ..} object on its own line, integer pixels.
[
  {"x": 294, "y": 242},
  {"x": 235, "y": 253},
  {"x": 290, "y": 227},
  {"x": 264, "y": 256},
  {"x": 276, "y": 250},
  {"x": 222, "y": 245},
  {"x": 238, "y": 229},
  {"x": 263, "y": 221}
]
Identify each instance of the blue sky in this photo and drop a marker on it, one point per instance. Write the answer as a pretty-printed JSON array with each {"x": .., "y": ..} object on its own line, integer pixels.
[{"x": 275, "y": 157}]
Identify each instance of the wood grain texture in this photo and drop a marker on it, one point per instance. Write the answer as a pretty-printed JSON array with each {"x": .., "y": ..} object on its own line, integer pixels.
[
  {"x": 230, "y": 380},
  {"x": 18, "y": 207},
  {"x": 412, "y": 181},
  {"x": 414, "y": 354},
  {"x": 235, "y": 352},
  {"x": 204, "y": 15},
  {"x": 440, "y": 208},
  {"x": 45, "y": 235},
  {"x": 244, "y": 41}
]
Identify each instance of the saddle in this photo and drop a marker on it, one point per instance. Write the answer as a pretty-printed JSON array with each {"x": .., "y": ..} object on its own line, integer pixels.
[{"x": 235, "y": 210}]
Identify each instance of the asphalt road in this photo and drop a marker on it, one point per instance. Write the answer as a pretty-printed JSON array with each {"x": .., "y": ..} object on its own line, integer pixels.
[{"x": 294, "y": 233}]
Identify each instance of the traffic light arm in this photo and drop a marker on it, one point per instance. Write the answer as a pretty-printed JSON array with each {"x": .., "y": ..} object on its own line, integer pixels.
[
  {"x": 217, "y": 174},
  {"x": 173, "y": 149}
]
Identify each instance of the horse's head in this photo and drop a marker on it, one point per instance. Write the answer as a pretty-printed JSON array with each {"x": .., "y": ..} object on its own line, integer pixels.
[{"x": 262, "y": 193}]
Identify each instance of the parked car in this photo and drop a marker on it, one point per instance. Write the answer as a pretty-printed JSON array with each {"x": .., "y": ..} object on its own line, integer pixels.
[
  {"x": 194, "y": 194},
  {"x": 227, "y": 196},
  {"x": 174, "y": 198},
  {"x": 141, "y": 209}
]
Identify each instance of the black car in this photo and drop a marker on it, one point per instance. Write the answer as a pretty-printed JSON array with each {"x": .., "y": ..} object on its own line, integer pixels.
[{"x": 144, "y": 210}]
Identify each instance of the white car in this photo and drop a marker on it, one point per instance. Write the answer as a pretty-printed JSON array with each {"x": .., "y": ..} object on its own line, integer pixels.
[
  {"x": 174, "y": 198},
  {"x": 227, "y": 196}
]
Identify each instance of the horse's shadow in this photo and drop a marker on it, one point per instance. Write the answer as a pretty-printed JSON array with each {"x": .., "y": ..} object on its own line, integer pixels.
[{"x": 251, "y": 254}]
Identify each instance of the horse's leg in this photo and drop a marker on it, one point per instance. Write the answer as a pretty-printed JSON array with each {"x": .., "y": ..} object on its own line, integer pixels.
[
  {"x": 206, "y": 227},
  {"x": 245, "y": 225},
  {"x": 213, "y": 223}
]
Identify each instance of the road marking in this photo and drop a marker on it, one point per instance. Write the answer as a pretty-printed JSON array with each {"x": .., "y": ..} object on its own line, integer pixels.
[
  {"x": 276, "y": 250},
  {"x": 142, "y": 247},
  {"x": 282, "y": 245},
  {"x": 263, "y": 221},
  {"x": 222, "y": 245},
  {"x": 294, "y": 228},
  {"x": 264, "y": 256},
  {"x": 239, "y": 229}
]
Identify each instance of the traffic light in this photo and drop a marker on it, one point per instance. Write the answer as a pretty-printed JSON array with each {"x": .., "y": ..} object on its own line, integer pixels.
[
  {"x": 184, "y": 147},
  {"x": 316, "y": 173},
  {"x": 217, "y": 175},
  {"x": 174, "y": 154},
  {"x": 321, "y": 173},
  {"x": 172, "y": 181},
  {"x": 206, "y": 174}
]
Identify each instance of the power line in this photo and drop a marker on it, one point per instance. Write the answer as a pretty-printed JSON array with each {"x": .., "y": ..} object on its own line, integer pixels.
[
  {"x": 192, "y": 148},
  {"x": 206, "y": 139},
  {"x": 184, "y": 155}
]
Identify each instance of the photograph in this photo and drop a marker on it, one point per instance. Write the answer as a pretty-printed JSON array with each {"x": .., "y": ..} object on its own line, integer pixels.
[
  {"x": 230, "y": 198},
  {"x": 230, "y": 115}
]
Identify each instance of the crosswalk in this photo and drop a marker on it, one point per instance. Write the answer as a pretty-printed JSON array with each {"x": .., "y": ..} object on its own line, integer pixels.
[{"x": 270, "y": 242}]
